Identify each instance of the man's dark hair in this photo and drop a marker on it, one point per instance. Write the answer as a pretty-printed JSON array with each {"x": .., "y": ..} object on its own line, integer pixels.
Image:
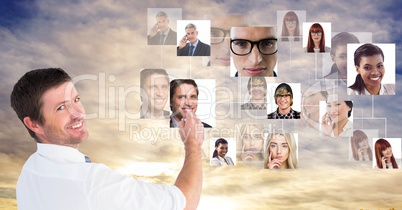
[
  {"x": 177, "y": 82},
  {"x": 26, "y": 97},
  {"x": 144, "y": 74},
  {"x": 341, "y": 39}
]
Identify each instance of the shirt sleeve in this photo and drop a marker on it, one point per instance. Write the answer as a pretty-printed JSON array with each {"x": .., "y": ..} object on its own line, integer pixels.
[{"x": 108, "y": 189}]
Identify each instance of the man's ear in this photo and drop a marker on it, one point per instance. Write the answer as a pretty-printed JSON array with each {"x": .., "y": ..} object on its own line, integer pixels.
[{"x": 33, "y": 125}]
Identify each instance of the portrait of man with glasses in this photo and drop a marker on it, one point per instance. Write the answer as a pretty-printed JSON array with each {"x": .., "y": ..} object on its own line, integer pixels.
[
  {"x": 284, "y": 99},
  {"x": 254, "y": 51},
  {"x": 220, "y": 37}
]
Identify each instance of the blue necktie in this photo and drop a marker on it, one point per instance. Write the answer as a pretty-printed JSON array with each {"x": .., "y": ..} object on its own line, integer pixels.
[
  {"x": 87, "y": 160},
  {"x": 191, "y": 50},
  {"x": 162, "y": 39}
]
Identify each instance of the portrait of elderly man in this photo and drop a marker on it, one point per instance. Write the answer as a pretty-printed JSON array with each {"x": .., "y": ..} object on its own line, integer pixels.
[
  {"x": 190, "y": 45},
  {"x": 161, "y": 33}
]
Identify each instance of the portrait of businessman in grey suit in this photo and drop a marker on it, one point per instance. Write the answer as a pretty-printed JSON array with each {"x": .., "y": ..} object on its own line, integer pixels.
[
  {"x": 190, "y": 45},
  {"x": 161, "y": 33}
]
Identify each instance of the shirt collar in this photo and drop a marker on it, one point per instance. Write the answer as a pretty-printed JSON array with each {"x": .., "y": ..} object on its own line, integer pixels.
[
  {"x": 287, "y": 114},
  {"x": 195, "y": 44},
  {"x": 166, "y": 32},
  {"x": 382, "y": 89},
  {"x": 348, "y": 126},
  {"x": 174, "y": 121},
  {"x": 60, "y": 153},
  {"x": 346, "y": 130}
]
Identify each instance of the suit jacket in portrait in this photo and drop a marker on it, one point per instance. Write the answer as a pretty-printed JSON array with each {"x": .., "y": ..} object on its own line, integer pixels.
[
  {"x": 171, "y": 38},
  {"x": 201, "y": 50}
]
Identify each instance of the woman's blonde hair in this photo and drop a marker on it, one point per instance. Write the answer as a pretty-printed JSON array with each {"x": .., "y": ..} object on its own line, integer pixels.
[{"x": 292, "y": 159}]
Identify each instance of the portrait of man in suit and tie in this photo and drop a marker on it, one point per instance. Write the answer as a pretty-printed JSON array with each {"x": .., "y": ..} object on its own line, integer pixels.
[
  {"x": 161, "y": 33},
  {"x": 183, "y": 98},
  {"x": 190, "y": 45}
]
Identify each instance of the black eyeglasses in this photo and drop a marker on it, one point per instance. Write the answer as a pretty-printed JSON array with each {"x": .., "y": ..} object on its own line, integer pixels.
[
  {"x": 244, "y": 47},
  {"x": 282, "y": 95},
  {"x": 290, "y": 22},
  {"x": 218, "y": 35},
  {"x": 316, "y": 33}
]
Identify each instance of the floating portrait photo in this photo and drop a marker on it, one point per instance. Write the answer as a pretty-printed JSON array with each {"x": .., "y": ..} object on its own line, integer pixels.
[
  {"x": 316, "y": 37},
  {"x": 361, "y": 146},
  {"x": 371, "y": 69},
  {"x": 290, "y": 28},
  {"x": 194, "y": 38},
  {"x": 253, "y": 93},
  {"x": 250, "y": 143},
  {"x": 281, "y": 151},
  {"x": 334, "y": 65},
  {"x": 220, "y": 37},
  {"x": 223, "y": 152},
  {"x": 253, "y": 51},
  {"x": 386, "y": 153},
  {"x": 197, "y": 96},
  {"x": 336, "y": 118},
  {"x": 285, "y": 101},
  {"x": 161, "y": 25}
]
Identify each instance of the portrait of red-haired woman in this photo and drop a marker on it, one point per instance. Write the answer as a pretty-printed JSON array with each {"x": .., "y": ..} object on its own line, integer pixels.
[
  {"x": 360, "y": 146},
  {"x": 383, "y": 154},
  {"x": 290, "y": 27},
  {"x": 316, "y": 39}
]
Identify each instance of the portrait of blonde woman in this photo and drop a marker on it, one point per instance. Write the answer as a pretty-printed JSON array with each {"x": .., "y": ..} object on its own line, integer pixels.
[
  {"x": 251, "y": 143},
  {"x": 280, "y": 151}
]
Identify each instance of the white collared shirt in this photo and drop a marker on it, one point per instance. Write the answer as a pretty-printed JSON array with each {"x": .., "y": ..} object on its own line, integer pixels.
[
  {"x": 195, "y": 45},
  {"x": 174, "y": 122},
  {"x": 385, "y": 89},
  {"x": 346, "y": 130},
  {"x": 57, "y": 177},
  {"x": 219, "y": 161}
]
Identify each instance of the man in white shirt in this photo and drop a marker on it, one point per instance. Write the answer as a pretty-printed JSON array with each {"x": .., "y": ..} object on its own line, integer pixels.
[{"x": 58, "y": 176}]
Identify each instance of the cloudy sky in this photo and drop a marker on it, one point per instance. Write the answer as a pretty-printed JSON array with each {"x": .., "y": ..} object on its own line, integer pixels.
[{"x": 102, "y": 45}]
